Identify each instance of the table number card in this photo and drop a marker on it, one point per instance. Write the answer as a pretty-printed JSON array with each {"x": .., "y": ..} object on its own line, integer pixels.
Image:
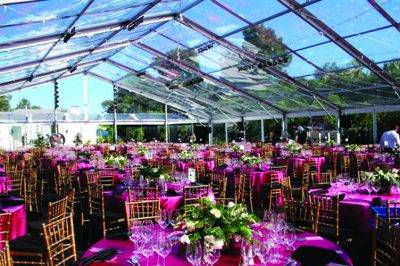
[{"x": 192, "y": 175}]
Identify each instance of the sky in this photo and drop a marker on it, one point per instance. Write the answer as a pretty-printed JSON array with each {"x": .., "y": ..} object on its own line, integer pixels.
[{"x": 71, "y": 91}]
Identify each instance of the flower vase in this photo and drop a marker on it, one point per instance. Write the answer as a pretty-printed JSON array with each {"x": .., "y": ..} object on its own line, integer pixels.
[{"x": 385, "y": 187}]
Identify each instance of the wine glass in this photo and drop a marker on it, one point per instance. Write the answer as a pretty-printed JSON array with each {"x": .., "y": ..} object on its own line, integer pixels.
[
  {"x": 376, "y": 186},
  {"x": 147, "y": 248},
  {"x": 368, "y": 187},
  {"x": 172, "y": 217},
  {"x": 211, "y": 256},
  {"x": 164, "y": 247},
  {"x": 194, "y": 253},
  {"x": 262, "y": 251},
  {"x": 290, "y": 237},
  {"x": 163, "y": 219}
]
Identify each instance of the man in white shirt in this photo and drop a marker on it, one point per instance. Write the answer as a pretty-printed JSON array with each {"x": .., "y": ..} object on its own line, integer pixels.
[{"x": 390, "y": 140}]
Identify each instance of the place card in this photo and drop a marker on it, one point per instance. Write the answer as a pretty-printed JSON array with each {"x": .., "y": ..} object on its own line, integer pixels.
[{"x": 192, "y": 175}]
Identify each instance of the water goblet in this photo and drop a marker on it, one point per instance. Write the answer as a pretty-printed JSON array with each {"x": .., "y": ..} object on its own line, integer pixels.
[
  {"x": 164, "y": 247},
  {"x": 163, "y": 219},
  {"x": 147, "y": 249},
  {"x": 261, "y": 250},
  {"x": 194, "y": 253},
  {"x": 211, "y": 256},
  {"x": 376, "y": 186}
]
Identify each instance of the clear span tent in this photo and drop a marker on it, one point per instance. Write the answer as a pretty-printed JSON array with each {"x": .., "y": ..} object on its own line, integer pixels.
[{"x": 214, "y": 59}]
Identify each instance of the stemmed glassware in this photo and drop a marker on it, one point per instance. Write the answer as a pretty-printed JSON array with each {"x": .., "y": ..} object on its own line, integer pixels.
[
  {"x": 194, "y": 253},
  {"x": 163, "y": 219},
  {"x": 261, "y": 249},
  {"x": 376, "y": 186},
  {"x": 163, "y": 246},
  {"x": 211, "y": 256}
]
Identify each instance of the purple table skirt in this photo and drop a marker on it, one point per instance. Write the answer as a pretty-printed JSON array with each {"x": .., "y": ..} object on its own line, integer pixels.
[
  {"x": 5, "y": 184},
  {"x": 18, "y": 220},
  {"x": 178, "y": 258}
]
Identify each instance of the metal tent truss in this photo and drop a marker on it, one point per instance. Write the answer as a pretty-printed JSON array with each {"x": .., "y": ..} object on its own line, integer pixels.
[{"x": 188, "y": 53}]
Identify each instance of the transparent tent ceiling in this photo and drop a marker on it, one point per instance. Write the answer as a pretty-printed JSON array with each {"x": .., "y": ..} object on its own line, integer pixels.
[{"x": 215, "y": 59}]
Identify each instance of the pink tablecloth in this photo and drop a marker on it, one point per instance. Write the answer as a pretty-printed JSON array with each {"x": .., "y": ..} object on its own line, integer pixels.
[
  {"x": 260, "y": 178},
  {"x": 18, "y": 220},
  {"x": 177, "y": 256},
  {"x": 5, "y": 184}
]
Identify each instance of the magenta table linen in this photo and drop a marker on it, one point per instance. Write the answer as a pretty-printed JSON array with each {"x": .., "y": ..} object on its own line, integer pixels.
[
  {"x": 177, "y": 258},
  {"x": 260, "y": 178},
  {"x": 5, "y": 184},
  {"x": 18, "y": 220}
]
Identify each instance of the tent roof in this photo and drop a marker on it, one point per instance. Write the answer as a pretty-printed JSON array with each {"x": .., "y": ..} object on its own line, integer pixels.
[{"x": 212, "y": 58}]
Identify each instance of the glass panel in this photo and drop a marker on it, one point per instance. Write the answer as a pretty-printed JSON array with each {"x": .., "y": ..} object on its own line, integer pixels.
[
  {"x": 91, "y": 20},
  {"x": 128, "y": 61},
  {"x": 32, "y": 30},
  {"x": 16, "y": 75},
  {"x": 110, "y": 71},
  {"x": 97, "y": 56},
  {"x": 378, "y": 45},
  {"x": 138, "y": 54},
  {"x": 392, "y": 7},
  {"x": 48, "y": 67},
  {"x": 102, "y": 6},
  {"x": 293, "y": 31},
  {"x": 353, "y": 17},
  {"x": 328, "y": 55},
  {"x": 133, "y": 34},
  {"x": 160, "y": 43},
  {"x": 214, "y": 18},
  {"x": 168, "y": 7},
  {"x": 253, "y": 10},
  {"x": 19, "y": 56},
  {"x": 77, "y": 44},
  {"x": 40, "y": 11},
  {"x": 182, "y": 34}
]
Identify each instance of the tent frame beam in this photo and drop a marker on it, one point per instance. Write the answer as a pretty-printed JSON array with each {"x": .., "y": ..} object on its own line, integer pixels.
[
  {"x": 384, "y": 14},
  {"x": 253, "y": 57},
  {"x": 200, "y": 73},
  {"x": 321, "y": 27}
]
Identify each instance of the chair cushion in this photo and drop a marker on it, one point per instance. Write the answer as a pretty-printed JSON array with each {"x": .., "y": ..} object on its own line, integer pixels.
[{"x": 28, "y": 243}]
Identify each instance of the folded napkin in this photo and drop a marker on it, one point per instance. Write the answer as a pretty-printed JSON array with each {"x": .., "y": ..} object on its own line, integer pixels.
[
  {"x": 7, "y": 202},
  {"x": 118, "y": 236},
  {"x": 104, "y": 254},
  {"x": 316, "y": 256}
]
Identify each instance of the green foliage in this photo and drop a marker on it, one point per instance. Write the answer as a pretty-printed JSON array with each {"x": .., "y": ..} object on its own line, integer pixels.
[
  {"x": 117, "y": 161},
  {"x": 153, "y": 174},
  {"x": 214, "y": 221},
  {"x": 186, "y": 155},
  {"x": 41, "y": 141},
  {"x": 5, "y": 103},
  {"x": 107, "y": 132},
  {"x": 78, "y": 139},
  {"x": 84, "y": 155},
  {"x": 26, "y": 104},
  {"x": 136, "y": 134},
  {"x": 389, "y": 175},
  {"x": 250, "y": 160}
]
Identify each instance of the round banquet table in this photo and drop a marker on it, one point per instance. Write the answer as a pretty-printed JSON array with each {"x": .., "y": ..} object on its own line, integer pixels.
[
  {"x": 177, "y": 256},
  {"x": 18, "y": 220}
]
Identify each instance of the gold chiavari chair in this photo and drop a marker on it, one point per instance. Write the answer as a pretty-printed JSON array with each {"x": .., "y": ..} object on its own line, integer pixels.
[
  {"x": 303, "y": 215},
  {"x": 321, "y": 179},
  {"x": 274, "y": 189},
  {"x": 243, "y": 190},
  {"x": 218, "y": 184},
  {"x": 224, "y": 201},
  {"x": 393, "y": 211},
  {"x": 10, "y": 168},
  {"x": 135, "y": 172},
  {"x": 92, "y": 178},
  {"x": 145, "y": 193},
  {"x": 32, "y": 194},
  {"x": 286, "y": 189},
  {"x": 5, "y": 257},
  {"x": 329, "y": 215},
  {"x": 17, "y": 183},
  {"x": 59, "y": 240},
  {"x": 386, "y": 243},
  {"x": 109, "y": 221},
  {"x": 346, "y": 163},
  {"x": 70, "y": 195},
  {"x": 281, "y": 168},
  {"x": 106, "y": 177},
  {"x": 5, "y": 226},
  {"x": 145, "y": 210},
  {"x": 300, "y": 184},
  {"x": 201, "y": 173},
  {"x": 193, "y": 195}
]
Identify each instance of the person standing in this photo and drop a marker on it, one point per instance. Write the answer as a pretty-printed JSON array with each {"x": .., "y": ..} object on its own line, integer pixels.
[{"x": 390, "y": 140}]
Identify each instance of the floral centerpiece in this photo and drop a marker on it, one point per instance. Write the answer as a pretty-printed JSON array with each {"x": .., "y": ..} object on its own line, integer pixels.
[
  {"x": 236, "y": 148},
  {"x": 142, "y": 150},
  {"x": 386, "y": 177},
  {"x": 293, "y": 148},
  {"x": 84, "y": 155},
  {"x": 354, "y": 148},
  {"x": 186, "y": 155},
  {"x": 153, "y": 174},
  {"x": 215, "y": 225},
  {"x": 250, "y": 160},
  {"x": 118, "y": 161}
]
